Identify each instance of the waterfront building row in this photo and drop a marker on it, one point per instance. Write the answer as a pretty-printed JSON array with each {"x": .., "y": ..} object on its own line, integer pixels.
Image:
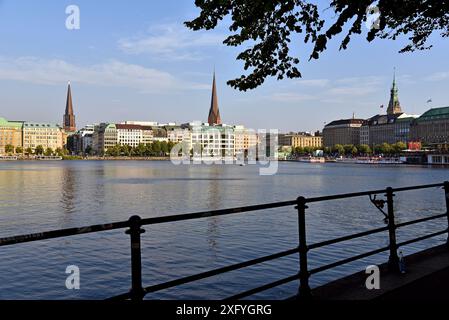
[
  {"x": 431, "y": 128},
  {"x": 216, "y": 140},
  {"x": 29, "y": 135}
]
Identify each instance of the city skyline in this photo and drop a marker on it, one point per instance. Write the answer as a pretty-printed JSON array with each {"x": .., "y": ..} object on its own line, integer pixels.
[{"x": 155, "y": 69}]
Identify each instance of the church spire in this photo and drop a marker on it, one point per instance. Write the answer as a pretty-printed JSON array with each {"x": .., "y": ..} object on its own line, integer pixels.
[
  {"x": 394, "y": 106},
  {"x": 69, "y": 117},
  {"x": 214, "y": 112}
]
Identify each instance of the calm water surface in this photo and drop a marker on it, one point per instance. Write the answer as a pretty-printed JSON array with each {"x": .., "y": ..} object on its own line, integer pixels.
[{"x": 41, "y": 196}]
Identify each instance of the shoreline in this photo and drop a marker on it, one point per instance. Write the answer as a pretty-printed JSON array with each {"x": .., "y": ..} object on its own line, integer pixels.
[{"x": 76, "y": 158}]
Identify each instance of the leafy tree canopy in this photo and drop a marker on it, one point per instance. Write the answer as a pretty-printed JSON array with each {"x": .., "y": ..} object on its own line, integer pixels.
[{"x": 266, "y": 29}]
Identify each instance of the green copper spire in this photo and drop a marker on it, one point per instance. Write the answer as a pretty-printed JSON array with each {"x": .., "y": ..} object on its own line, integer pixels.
[{"x": 394, "y": 107}]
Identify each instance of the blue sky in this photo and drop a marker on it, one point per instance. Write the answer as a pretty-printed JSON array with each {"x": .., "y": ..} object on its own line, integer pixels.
[{"x": 137, "y": 62}]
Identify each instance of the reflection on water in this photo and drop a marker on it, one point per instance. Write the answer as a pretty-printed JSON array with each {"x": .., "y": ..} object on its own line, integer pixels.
[
  {"x": 42, "y": 196},
  {"x": 213, "y": 204},
  {"x": 68, "y": 191}
]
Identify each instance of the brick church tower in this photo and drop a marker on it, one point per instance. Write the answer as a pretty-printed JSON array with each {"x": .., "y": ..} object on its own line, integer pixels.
[{"x": 69, "y": 117}]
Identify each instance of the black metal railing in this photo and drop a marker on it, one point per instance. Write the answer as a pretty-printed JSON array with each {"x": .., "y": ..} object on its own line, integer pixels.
[{"x": 135, "y": 224}]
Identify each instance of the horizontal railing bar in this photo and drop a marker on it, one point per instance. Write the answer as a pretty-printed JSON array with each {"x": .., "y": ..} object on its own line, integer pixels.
[
  {"x": 404, "y": 224},
  {"x": 62, "y": 233},
  {"x": 263, "y": 288},
  {"x": 214, "y": 213},
  {"x": 435, "y": 234},
  {"x": 348, "y": 260},
  {"x": 344, "y": 196},
  {"x": 207, "y": 274},
  {"x": 426, "y": 186},
  {"x": 346, "y": 238},
  {"x": 367, "y": 193}
]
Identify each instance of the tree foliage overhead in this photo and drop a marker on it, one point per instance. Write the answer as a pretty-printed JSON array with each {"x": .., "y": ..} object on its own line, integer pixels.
[{"x": 266, "y": 28}]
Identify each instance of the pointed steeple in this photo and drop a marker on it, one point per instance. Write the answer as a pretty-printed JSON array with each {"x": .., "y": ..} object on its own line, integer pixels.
[
  {"x": 214, "y": 112},
  {"x": 394, "y": 106},
  {"x": 69, "y": 104},
  {"x": 69, "y": 117}
]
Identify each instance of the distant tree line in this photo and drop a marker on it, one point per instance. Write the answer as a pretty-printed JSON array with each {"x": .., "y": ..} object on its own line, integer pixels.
[
  {"x": 155, "y": 149},
  {"x": 301, "y": 151},
  {"x": 39, "y": 150},
  {"x": 366, "y": 150}
]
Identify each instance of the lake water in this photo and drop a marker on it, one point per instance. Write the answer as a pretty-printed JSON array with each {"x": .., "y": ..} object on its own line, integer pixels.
[{"x": 41, "y": 196}]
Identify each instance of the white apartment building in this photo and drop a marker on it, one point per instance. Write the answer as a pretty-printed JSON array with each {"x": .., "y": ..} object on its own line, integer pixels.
[
  {"x": 215, "y": 142},
  {"x": 86, "y": 137},
  {"x": 130, "y": 134}
]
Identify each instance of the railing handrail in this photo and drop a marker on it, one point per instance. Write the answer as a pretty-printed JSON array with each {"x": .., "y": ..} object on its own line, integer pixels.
[{"x": 135, "y": 223}]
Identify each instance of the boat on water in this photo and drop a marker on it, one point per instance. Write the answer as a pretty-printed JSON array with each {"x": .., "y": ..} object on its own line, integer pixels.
[
  {"x": 48, "y": 158},
  {"x": 312, "y": 160},
  {"x": 370, "y": 160},
  {"x": 379, "y": 161},
  {"x": 346, "y": 160},
  {"x": 8, "y": 158}
]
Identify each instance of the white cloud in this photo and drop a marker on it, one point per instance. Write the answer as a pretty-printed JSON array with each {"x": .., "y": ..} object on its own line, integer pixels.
[
  {"x": 332, "y": 91},
  {"x": 320, "y": 83},
  {"x": 112, "y": 73},
  {"x": 291, "y": 97},
  {"x": 171, "y": 42},
  {"x": 437, "y": 76},
  {"x": 356, "y": 86}
]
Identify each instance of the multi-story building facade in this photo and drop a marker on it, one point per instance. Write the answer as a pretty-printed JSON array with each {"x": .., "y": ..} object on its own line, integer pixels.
[
  {"x": 179, "y": 134},
  {"x": 301, "y": 140},
  {"x": 149, "y": 129},
  {"x": 82, "y": 141},
  {"x": 364, "y": 133},
  {"x": 43, "y": 134},
  {"x": 213, "y": 141},
  {"x": 344, "y": 132},
  {"x": 130, "y": 134},
  {"x": 244, "y": 140},
  {"x": 104, "y": 137},
  {"x": 10, "y": 134},
  {"x": 432, "y": 128},
  {"x": 386, "y": 129}
]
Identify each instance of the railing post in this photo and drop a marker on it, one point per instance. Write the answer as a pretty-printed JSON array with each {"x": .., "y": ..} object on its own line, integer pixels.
[
  {"x": 393, "y": 261},
  {"x": 446, "y": 194},
  {"x": 135, "y": 231},
  {"x": 304, "y": 288}
]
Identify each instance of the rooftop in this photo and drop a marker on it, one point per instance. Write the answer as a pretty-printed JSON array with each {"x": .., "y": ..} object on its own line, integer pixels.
[
  {"x": 132, "y": 127},
  {"x": 12, "y": 124},
  {"x": 345, "y": 121},
  {"x": 40, "y": 125},
  {"x": 435, "y": 114}
]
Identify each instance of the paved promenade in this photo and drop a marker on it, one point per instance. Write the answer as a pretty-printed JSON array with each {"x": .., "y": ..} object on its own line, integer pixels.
[{"x": 427, "y": 278}]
